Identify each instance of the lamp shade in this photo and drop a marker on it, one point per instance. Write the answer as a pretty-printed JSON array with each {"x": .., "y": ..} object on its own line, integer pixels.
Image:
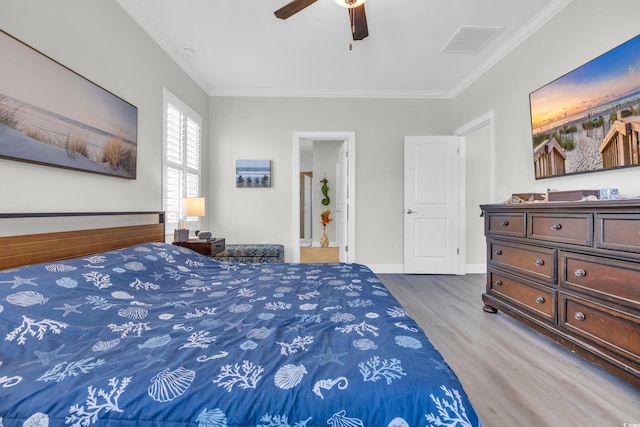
[
  {"x": 350, "y": 3},
  {"x": 194, "y": 206}
]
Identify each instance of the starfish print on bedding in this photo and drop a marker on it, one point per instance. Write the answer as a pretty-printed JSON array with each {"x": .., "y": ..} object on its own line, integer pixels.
[
  {"x": 47, "y": 357},
  {"x": 331, "y": 300},
  {"x": 157, "y": 276},
  {"x": 329, "y": 356},
  {"x": 126, "y": 257},
  {"x": 150, "y": 361},
  {"x": 69, "y": 309},
  {"x": 295, "y": 328},
  {"x": 238, "y": 325},
  {"x": 19, "y": 281}
]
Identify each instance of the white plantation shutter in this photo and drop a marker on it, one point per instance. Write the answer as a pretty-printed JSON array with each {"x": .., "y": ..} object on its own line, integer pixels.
[{"x": 182, "y": 159}]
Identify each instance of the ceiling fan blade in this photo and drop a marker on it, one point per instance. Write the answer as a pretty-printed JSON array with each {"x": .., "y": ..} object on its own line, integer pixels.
[
  {"x": 358, "y": 21},
  {"x": 292, "y": 8}
]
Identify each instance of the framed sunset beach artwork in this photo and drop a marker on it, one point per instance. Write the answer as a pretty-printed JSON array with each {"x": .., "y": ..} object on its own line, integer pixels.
[
  {"x": 52, "y": 116},
  {"x": 589, "y": 119}
]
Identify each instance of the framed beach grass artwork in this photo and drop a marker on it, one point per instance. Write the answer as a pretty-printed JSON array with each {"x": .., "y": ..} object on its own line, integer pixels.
[
  {"x": 253, "y": 173},
  {"x": 52, "y": 116},
  {"x": 589, "y": 119}
]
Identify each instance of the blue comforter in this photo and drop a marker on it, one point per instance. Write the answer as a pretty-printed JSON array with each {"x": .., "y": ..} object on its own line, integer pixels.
[{"x": 156, "y": 334}]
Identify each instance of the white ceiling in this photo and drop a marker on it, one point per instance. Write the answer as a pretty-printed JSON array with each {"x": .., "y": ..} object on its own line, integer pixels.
[{"x": 239, "y": 48}]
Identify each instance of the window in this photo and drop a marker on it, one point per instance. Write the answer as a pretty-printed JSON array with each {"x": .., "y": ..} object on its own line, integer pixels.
[{"x": 182, "y": 159}]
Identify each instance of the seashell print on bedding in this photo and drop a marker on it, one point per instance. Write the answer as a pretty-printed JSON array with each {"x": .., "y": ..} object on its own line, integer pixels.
[
  {"x": 289, "y": 376},
  {"x": 59, "y": 268},
  {"x": 213, "y": 418},
  {"x": 398, "y": 422},
  {"x": 240, "y": 308},
  {"x": 266, "y": 316},
  {"x": 342, "y": 317},
  {"x": 133, "y": 313},
  {"x": 408, "y": 342},
  {"x": 168, "y": 385},
  {"x": 260, "y": 333},
  {"x": 105, "y": 345},
  {"x": 217, "y": 294},
  {"x": 121, "y": 295},
  {"x": 135, "y": 266},
  {"x": 249, "y": 345},
  {"x": 340, "y": 419},
  {"x": 67, "y": 282},
  {"x": 27, "y": 298},
  {"x": 154, "y": 342},
  {"x": 365, "y": 344},
  {"x": 36, "y": 420}
]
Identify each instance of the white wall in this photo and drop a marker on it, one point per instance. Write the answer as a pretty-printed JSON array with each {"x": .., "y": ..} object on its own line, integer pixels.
[
  {"x": 584, "y": 30},
  {"x": 97, "y": 40},
  {"x": 263, "y": 128}
]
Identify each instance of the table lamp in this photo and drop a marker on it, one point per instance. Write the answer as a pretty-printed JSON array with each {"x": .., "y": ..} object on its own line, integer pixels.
[{"x": 193, "y": 206}]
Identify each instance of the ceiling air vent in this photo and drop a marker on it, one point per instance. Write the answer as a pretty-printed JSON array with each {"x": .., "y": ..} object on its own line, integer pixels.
[{"x": 469, "y": 39}]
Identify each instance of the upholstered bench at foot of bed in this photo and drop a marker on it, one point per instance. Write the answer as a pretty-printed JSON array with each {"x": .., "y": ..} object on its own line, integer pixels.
[{"x": 251, "y": 253}]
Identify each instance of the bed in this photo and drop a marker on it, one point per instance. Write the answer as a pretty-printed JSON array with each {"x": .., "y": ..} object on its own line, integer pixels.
[{"x": 145, "y": 333}]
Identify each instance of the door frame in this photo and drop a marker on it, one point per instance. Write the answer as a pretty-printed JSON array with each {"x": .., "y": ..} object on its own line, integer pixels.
[
  {"x": 350, "y": 138},
  {"x": 487, "y": 119}
]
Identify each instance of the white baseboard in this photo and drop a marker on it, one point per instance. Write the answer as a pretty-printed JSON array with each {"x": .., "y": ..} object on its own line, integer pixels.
[
  {"x": 476, "y": 268},
  {"x": 386, "y": 268},
  {"x": 399, "y": 268}
]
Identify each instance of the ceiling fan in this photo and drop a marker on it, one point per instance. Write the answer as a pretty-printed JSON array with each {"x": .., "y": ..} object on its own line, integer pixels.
[{"x": 357, "y": 15}]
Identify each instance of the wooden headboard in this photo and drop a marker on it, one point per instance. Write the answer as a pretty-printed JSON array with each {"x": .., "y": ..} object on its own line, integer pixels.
[{"x": 27, "y": 249}]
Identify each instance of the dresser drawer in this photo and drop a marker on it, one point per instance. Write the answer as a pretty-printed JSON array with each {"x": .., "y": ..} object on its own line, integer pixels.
[
  {"x": 574, "y": 229},
  {"x": 506, "y": 225},
  {"x": 618, "y": 232},
  {"x": 610, "y": 328},
  {"x": 533, "y": 261},
  {"x": 535, "y": 298},
  {"x": 615, "y": 281}
]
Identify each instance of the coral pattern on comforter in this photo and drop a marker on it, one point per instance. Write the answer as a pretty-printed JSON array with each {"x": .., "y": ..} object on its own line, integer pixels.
[{"x": 158, "y": 335}]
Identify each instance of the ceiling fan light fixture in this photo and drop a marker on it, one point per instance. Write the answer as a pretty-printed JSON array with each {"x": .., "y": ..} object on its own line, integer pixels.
[{"x": 350, "y": 4}]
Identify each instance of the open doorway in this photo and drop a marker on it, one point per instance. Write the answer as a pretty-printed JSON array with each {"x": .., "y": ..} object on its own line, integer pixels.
[
  {"x": 478, "y": 145},
  {"x": 320, "y": 156}
]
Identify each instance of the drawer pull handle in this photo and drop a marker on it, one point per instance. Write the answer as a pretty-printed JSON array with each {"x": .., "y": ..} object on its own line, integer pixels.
[
  {"x": 556, "y": 226},
  {"x": 498, "y": 252},
  {"x": 498, "y": 283},
  {"x": 504, "y": 223},
  {"x": 540, "y": 300},
  {"x": 579, "y": 316},
  {"x": 580, "y": 273},
  {"x": 539, "y": 262}
]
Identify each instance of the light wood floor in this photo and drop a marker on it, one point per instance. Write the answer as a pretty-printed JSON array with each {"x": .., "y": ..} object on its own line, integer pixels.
[
  {"x": 513, "y": 375},
  {"x": 314, "y": 254}
]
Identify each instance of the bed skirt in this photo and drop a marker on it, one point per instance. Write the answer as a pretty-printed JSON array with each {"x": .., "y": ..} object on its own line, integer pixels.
[{"x": 252, "y": 253}]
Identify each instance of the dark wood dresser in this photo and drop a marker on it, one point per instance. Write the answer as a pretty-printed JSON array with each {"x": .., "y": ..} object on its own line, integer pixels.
[{"x": 571, "y": 270}]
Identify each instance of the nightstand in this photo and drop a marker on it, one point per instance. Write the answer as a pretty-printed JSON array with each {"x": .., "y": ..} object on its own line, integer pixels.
[{"x": 204, "y": 247}]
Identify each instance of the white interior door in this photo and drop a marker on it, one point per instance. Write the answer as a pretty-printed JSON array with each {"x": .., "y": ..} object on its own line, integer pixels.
[
  {"x": 431, "y": 204},
  {"x": 342, "y": 204}
]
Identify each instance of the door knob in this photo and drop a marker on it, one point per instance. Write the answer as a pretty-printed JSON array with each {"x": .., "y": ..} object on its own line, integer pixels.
[{"x": 409, "y": 211}]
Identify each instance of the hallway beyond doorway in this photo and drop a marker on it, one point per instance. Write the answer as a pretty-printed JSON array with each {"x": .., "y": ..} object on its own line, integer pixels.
[{"x": 321, "y": 255}]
